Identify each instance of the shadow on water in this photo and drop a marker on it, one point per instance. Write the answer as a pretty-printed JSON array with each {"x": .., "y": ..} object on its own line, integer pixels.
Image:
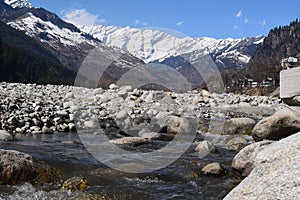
[{"x": 180, "y": 180}]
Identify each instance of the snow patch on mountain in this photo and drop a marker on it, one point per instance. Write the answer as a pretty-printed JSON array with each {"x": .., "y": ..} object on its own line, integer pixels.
[
  {"x": 18, "y": 3},
  {"x": 48, "y": 32}
]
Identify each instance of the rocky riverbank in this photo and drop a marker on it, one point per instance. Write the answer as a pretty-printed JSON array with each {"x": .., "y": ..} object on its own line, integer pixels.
[
  {"x": 150, "y": 119},
  {"x": 34, "y": 109}
]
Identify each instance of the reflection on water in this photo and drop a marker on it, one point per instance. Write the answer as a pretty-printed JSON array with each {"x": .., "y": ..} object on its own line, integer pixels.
[{"x": 180, "y": 180}]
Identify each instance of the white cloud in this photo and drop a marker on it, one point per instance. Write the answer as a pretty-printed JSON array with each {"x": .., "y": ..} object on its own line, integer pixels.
[
  {"x": 263, "y": 22},
  {"x": 239, "y": 13},
  {"x": 179, "y": 23},
  {"x": 246, "y": 21},
  {"x": 82, "y": 17},
  {"x": 140, "y": 23}
]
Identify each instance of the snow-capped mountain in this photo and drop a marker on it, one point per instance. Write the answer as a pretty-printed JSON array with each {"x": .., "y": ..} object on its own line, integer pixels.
[
  {"x": 155, "y": 45},
  {"x": 69, "y": 44},
  {"x": 18, "y": 3}
]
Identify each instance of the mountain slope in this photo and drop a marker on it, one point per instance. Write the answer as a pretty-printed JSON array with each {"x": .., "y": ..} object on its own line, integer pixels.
[
  {"x": 155, "y": 45},
  {"x": 281, "y": 42},
  {"x": 69, "y": 45},
  {"x": 24, "y": 60}
]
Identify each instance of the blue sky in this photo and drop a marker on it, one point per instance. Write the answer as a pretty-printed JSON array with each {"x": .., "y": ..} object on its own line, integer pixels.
[{"x": 195, "y": 18}]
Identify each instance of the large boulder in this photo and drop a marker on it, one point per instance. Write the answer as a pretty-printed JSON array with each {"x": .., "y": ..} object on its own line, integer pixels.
[
  {"x": 5, "y": 136},
  {"x": 243, "y": 162},
  {"x": 282, "y": 124},
  {"x": 176, "y": 125},
  {"x": 238, "y": 126},
  {"x": 17, "y": 167},
  {"x": 275, "y": 175},
  {"x": 233, "y": 126}
]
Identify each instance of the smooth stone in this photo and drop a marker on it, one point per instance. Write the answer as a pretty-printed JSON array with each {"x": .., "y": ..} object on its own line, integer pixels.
[
  {"x": 212, "y": 169},
  {"x": 17, "y": 168},
  {"x": 13, "y": 121},
  {"x": 71, "y": 117},
  {"x": 127, "y": 88},
  {"x": 69, "y": 95},
  {"x": 122, "y": 114},
  {"x": 5, "y": 136},
  {"x": 236, "y": 144},
  {"x": 129, "y": 141},
  {"x": 72, "y": 126},
  {"x": 93, "y": 123},
  {"x": 180, "y": 125},
  {"x": 205, "y": 94},
  {"x": 113, "y": 87},
  {"x": 242, "y": 126},
  {"x": 150, "y": 135},
  {"x": 46, "y": 130},
  {"x": 204, "y": 148},
  {"x": 283, "y": 123},
  {"x": 35, "y": 128}
]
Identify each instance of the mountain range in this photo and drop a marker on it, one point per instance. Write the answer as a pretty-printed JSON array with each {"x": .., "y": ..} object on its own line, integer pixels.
[
  {"x": 155, "y": 45},
  {"x": 125, "y": 48}
]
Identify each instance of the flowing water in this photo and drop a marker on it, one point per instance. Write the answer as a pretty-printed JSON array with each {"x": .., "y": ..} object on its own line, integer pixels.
[{"x": 180, "y": 180}]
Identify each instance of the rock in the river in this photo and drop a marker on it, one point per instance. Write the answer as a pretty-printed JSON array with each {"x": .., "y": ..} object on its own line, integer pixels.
[
  {"x": 238, "y": 126},
  {"x": 282, "y": 124},
  {"x": 178, "y": 125},
  {"x": 275, "y": 175},
  {"x": 236, "y": 143},
  {"x": 149, "y": 135},
  {"x": 17, "y": 167},
  {"x": 75, "y": 184},
  {"x": 243, "y": 162},
  {"x": 129, "y": 141},
  {"x": 204, "y": 148},
  {"x": 5, "y": 136},
  {"x": 213, "y": 169}
]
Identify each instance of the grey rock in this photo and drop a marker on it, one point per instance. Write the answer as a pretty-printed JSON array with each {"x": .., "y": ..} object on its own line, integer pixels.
[
  {"x": 35, "y": 128},
  {"x": 212, "y": 169},
  {"x": 178, "y": 125},
  {"x": 113, "y": 87},
  {"x": 69, "y": 95},
  {"x": 254, "y": 103},
  {"x": 126, "y": 88},
  {"x": 150, "y": 135},
  {"x": 204, "y": 148},
  {"x": 236, "y": 143},
  {"x": 129, "y": 141},
  {"x": 275, "y": 175},
  {"x": 238, "y": 126},
  {"x": 282, "y": 124},
  {"x": 13, "y": 121},
  {"x": 72, "y": 126},
  {"x": 46, "y": 130},
  {"x": 17, "y": 167},
  {"x": 122, "y": 114},
  {"x": 5, "y": 136},
  {"x": 243, "y": 162}
]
